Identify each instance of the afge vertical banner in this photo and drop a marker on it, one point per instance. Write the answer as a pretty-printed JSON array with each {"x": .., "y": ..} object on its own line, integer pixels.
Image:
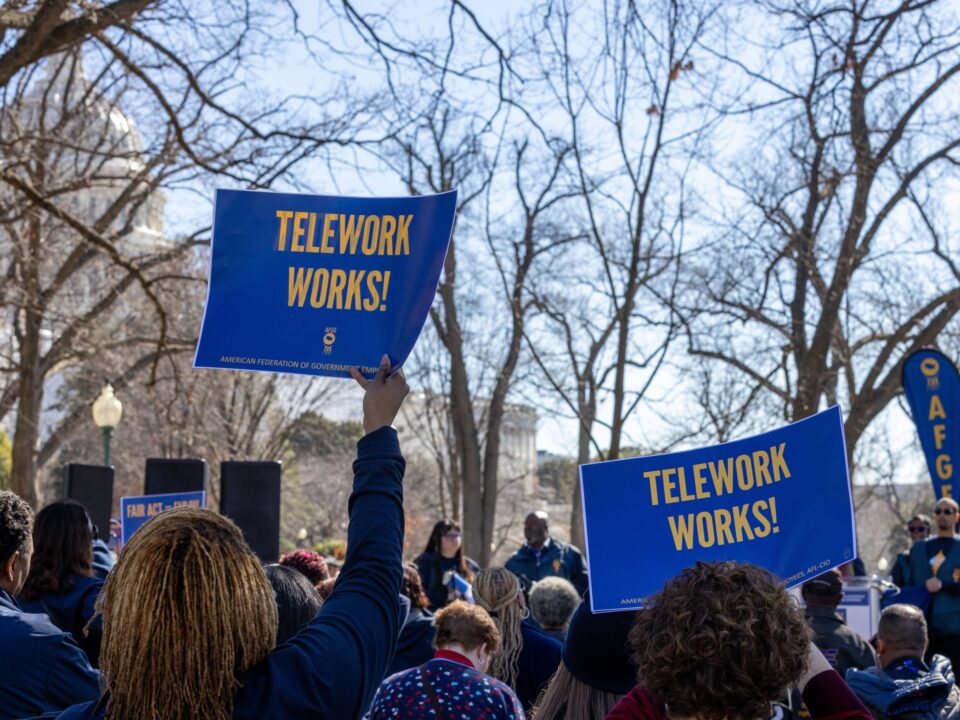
[
  {"x": 316, "y": 284},
  {"x": 932, "y": 386},
  {"x": 780, "y": 500}
]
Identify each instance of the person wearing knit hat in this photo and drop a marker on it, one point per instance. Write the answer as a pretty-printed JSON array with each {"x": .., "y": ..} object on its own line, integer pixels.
[{"x": 596, "y": 669}]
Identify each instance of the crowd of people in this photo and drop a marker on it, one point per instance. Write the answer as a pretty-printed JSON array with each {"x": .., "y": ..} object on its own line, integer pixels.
[{"x": 187, "y": 623}]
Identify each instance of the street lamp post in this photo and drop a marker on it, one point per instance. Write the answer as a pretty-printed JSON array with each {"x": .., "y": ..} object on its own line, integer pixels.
[{"x": 107, "y": 411}]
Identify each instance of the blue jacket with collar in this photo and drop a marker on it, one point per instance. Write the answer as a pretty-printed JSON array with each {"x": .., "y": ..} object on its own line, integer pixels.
[
  {"x": 557, "y": 559},
  {"x": 72, "y": 610},
  {"x": 43, "y": 669},
  {"x": 333, "y": 667}
]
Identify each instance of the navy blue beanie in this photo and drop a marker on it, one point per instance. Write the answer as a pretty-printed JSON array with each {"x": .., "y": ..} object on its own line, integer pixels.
[{"x": 596, "y": 650}]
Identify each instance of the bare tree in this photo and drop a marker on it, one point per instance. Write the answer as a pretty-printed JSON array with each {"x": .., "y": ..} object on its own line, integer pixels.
[
  {"x": 206, "y": 414},
  {"x": 604, "y": 329},
  {"x": 446, "y": 151},
  {"x": 30, "y": 32},
  {"x": 87, "y": 148},
  {"x": 835, "y": 265}
]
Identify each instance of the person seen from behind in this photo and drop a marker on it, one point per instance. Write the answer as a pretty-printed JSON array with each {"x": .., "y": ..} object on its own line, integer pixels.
[
  {"x": 843, "y": 647},
  {"x": 415, "y": 644},
  {"x": 442, "y": 562},
  {"x": 935, "y": 566},
  {"x": 903, "y": 686},
  {"x": 724, "y": 641},
  {"x": 452, "y": 684},
  {"x": 544, "y": 556},
  {"x": 552, "y": 602},
  {"x": 312, "y": 565},
  {"x": 42, "y": 670},
  {"x": 62, "y": 582},
  {"x": 596, "y": 670},
  {"x": 298, "y": 601},
  {"x": 190, "y": 621},
  {"x": 526, "y": 659}
]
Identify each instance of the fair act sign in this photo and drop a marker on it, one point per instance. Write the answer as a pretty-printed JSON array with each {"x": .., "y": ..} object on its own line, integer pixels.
[
  {"x": 135, "y": 511},
  {"x": 316, "y": 284},
  {"x": 780, "y": 500}
]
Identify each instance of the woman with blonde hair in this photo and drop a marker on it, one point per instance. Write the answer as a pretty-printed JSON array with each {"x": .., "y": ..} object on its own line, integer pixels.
[
  {"x": 526, "y": 659},
  {"x": 190, "y": 621}
]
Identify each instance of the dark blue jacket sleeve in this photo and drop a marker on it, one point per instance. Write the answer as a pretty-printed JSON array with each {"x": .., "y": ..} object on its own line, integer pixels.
[
  {"x": 332, "y": 668},
  {"x": 71, "y": 679}
]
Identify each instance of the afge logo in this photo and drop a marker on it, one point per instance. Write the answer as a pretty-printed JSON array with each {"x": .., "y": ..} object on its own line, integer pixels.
[
  {"x": 930, "y": 369},
  {"x": 329, "y": 338}
]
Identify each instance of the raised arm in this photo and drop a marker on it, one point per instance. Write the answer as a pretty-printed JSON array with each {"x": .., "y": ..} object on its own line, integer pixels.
[{"x": 333, "y": 667}]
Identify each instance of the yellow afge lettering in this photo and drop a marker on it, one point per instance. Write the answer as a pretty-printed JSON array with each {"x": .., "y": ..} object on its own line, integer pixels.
[
  {"x": 936, "y": 409},
  {"x": 944, "y": 467}
]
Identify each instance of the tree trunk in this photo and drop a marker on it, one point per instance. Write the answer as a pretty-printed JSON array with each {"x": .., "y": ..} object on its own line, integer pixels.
[
  {"x": 468, "y": 448},
  {"x": 587, "y": 413},
  {"x": 27, "y": 431}
]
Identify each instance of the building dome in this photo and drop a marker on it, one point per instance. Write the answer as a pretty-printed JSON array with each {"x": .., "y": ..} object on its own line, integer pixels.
[{"x": 102, "y": 142}]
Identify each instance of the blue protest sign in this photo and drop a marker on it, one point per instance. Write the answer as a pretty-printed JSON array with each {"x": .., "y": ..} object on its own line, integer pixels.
[
  {"x": 136, "y": 510},
  {"x": 932, "y": 386},
  {"x": 780, "y": 500},
  {"x": 317, "y": 284}
]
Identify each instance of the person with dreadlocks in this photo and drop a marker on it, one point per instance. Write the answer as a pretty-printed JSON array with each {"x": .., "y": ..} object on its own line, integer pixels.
[
  {"x": 526, "y": 659},
  {"x": 189, "y": 619}
]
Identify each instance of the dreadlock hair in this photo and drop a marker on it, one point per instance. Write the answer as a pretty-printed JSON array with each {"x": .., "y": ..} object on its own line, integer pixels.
[
  {"x": 497, "y": 590},
  {"x": 186, "y": 610}
]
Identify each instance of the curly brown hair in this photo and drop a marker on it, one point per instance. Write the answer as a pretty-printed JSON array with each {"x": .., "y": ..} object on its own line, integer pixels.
[
  {"x": 412, "y": 588},
  {"x": 721, "y": 640}
]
